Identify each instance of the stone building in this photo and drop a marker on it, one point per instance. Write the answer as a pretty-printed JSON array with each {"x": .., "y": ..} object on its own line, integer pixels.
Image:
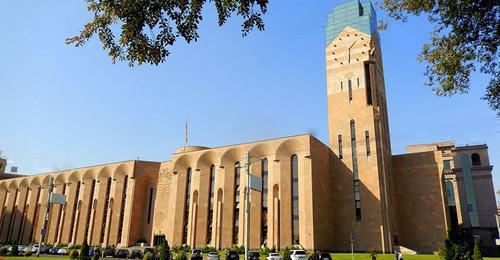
[{"x": 314, "y": 195}]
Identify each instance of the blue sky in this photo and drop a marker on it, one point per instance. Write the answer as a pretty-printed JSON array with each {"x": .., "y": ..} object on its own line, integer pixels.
[{"x": 65, "y": 107}]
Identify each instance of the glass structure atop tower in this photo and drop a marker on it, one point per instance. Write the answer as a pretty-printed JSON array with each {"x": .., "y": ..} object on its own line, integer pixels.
[{"x": 357, "y": 15}]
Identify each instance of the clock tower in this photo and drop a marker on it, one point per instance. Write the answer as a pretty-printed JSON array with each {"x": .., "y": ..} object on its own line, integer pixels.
[{"x": 358, "y": 128}]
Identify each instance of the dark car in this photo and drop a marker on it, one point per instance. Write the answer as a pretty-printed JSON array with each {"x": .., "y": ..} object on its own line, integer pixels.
[
  {"x": 232, "y": 255},
  {"x": 121, "y": 253},
  {"x": 322, "y": 256},
  {"x": 53, "y": 250},
  {"x": 253, "y": 255},
  {"x": 109, "y": 252},
  {"x": 135, "y": 253},
  {"x": 197, "y": 254}
]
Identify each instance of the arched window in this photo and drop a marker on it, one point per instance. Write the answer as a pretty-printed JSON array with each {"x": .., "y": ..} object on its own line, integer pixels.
[
  {"x": 476, "y": 159},
  {"x": 60, "y": 224},
  {"x": 89, "y": 210},
  {"x": 122, "y": 210},
  {"x": 264, "y": 169},
  {"x": 36, "y": 218},
  {"x": 186, "y": 206},
  {"x": 210, "y": 204},
  {"x": 294, "y": 169},
  {"x": 73, "y": 215},
  {"x": 236, "y": 213},
  {"x": 105, "y": 211}
]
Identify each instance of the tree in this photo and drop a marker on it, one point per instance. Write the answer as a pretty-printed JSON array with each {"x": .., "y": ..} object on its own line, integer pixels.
[
  {"x": 146, "y": 29},
  {"x": 477, "y": 251},
  {"x": 84, "y": 254},
  {"x": 466, "y": 37},
  {"x": 458, "y": 245}
]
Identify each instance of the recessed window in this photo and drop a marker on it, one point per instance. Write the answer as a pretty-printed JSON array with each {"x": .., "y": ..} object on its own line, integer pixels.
[
  {"x": 340, "y": 146},
  {"x": 367, "y": 143},
  {"x": 476, "y": 159},
  {"x": 349, "y": 85}
]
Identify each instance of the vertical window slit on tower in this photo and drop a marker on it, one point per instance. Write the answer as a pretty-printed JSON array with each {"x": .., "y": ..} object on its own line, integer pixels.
[
  {"x": 357, "y": 195},
  {"x": 150, "y": 204},
  {"x": 367, "y": 141},
  {"x": 264, "y": 169},
  {"x": 349, "y": 85},
  {"x": 210, "y": 204},
  {"x": 340, "y": 147},
  {"x": 236, "y": 214},
  {"x": 368, "y": 87},
  {"x": 341, "y": 85},
  {"x": 186, "y": 206}
]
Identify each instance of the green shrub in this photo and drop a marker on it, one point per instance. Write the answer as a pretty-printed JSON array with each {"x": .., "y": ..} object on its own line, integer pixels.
[
  {"x": 264, "y": 251},
  {"x": 28, "y": 253},
  {"x": 148, "y": 256},
  {"x": 73, "y": 254},
  {"x": 15, "y": 250},
  {"x": 458, "y": 245},
  {"x": 181, "y": 256},
  {"x": 477, "y": 252},
  {"x": 97, "y": 253},
  {"x": 373, "y": 253},
  {"x": 286, "y": 254},
  {"x": 186, "y": 248},
  {"x": 236, "y": 248},
  {"x": 3, "y": 251},
  {"x": 85, "y": 254}
]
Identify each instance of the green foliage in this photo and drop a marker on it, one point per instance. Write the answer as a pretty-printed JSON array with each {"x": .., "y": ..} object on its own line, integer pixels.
[
  {"x": 458, "y": 245},
  {"x": 207, "y": 249},
  {"x": 236, "y": 248},
  {"x": 3, "y": 251},
  {"x": 373, "y": 253},
  {"x": 28, "y": 253},
  {"x": 73, "y": 254},
  {"x": 142, "y": 31},
  {"x": 286, "y": 254},
  {"x": 264, "y": 251},
  {"x": 148, "y": 256},
  {"x": 477, "y": 251},
  {"x": 181, "y": 255},
  {"x": 97, "y": 253},
  {"x": 164, "y": 251},
  {"x": 15, "y": 249},
  {"x": 85, "y": 254},
  {"x": 465, "y": 38}
]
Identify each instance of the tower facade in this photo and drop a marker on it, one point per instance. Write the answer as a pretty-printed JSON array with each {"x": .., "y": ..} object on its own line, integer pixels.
[{"x": 358, "y": 127}]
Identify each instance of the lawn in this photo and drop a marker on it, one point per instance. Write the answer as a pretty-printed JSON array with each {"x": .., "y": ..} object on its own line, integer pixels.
[{"x": 334, "y": 257}]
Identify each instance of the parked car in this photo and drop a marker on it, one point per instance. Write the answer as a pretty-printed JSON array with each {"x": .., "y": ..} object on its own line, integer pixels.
[
  {"x": 323, "y": 256},
  {"x": 136, "y": 253},
  {"x": 53, "y": 250},
  {"x": 232, "y": 255},
  {"x": 213, "y": 256},
  {"x": 28, "y": 248},
  {"x": 44, "y": 250},
  {"x": 62, "y": 251},
  {"x": 9, "y": 248},
  {"x": 253, "y": 255},
  {"x": 274, "y": 256},
  {"x": 21, "y": 248},
  {"x": 298, "y": 255},
  {"x": 110, "y": 251},
  {"x": 197, "y": 254},
  {"x": 121, "y": 253},
  {"x": 34, "y": 248}
]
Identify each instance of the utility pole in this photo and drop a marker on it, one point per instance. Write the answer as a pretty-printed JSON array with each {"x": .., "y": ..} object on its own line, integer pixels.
[
  {"x": 247, "y": 206},
  {"x": 50, "y": 188}
]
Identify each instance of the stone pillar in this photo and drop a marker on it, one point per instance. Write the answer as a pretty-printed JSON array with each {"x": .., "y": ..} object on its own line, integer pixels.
[{"x": 128, "y": 214}]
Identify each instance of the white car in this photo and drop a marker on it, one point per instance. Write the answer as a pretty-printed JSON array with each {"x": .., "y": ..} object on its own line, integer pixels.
[
  {"x": 274, "y": 256},
  {"x": 62, "y": 251},
  {"x": 298, "y": 255},
  {"x": 213, "y": 256}
]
